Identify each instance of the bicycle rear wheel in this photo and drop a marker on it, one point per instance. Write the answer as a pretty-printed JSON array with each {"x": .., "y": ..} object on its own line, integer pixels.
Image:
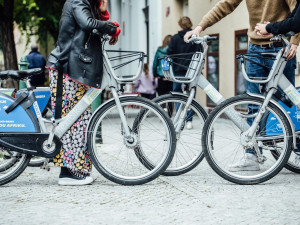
[
  {"x": 188, "y": 152},
  {"x": 224, "y": 146},
  {"x": 115, "y": 157},
  {"x": 291, "y": 165},
  {"x": 12, "y": 164}
]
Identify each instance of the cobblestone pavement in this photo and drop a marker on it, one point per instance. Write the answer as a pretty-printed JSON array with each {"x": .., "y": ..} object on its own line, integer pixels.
[{"x": 199, "y": 197}]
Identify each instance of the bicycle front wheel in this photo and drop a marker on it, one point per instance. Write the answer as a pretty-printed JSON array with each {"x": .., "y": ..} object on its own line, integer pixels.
[
  {"x": 225, "y": 146},
  {"x": 115, "y": 156}
]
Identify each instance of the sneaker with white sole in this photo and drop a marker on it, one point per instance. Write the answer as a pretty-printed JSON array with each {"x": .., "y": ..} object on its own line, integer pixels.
[
  {"x": 69, "y": 178},
  {"x": 189, "y": 125},
  {"x": 248, "y": 163},
  {"x": 297, "y": 160}
]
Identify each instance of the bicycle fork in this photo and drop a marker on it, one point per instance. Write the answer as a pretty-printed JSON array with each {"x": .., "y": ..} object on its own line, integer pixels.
[
  {"x": 248, "y": 136},
  {"x": 127, "y": 132}
]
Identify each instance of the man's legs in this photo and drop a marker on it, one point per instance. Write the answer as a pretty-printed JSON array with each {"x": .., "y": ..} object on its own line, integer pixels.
[
  {"x": 177, "y": 87},
  {"x": 249, "y": 162}
]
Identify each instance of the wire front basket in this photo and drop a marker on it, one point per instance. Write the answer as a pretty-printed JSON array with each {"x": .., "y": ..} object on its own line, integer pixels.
[
  {"x": 255, "y": 58},
  {"x": 127, "y": 65},
  {"x": 193, "y": 69}
]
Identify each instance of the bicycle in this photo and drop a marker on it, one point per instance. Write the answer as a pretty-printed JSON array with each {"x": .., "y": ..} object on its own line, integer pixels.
[
  {"x": 114, "y": 156},
  {"x": 182, "y": 107},
  {"x": 242, "y": 124}
]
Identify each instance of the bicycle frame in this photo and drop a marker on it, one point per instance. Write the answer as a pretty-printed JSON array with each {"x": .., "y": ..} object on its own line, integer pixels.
[
  {"x": 110, "y": 79},
  {"x": 200, "y": 81},
  {"x": 275, "y": 79}
]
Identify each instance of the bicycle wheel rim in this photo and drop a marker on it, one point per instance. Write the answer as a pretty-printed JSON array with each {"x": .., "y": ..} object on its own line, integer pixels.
[
  {"x": 188, "y": 152},
  {"x": 9, "y": 174},
  {"x": 250, "y": 177},
  {"x": 7, "y": 160},
  {"x": 113, "y": 142}
]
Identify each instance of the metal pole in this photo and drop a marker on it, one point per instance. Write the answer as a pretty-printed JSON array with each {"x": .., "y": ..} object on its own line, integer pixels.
[
  {"x": 23, "y": 66},
  {"x": 96, "y": 103}
]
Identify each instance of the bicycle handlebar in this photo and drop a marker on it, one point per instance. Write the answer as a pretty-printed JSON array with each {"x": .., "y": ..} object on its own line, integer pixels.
[
  {"x": 283, "y": 38},
  {"x": 199, "y": 40}
]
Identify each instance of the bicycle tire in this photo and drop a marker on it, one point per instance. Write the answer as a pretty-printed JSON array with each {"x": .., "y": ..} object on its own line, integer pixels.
[
  {"x": 115, "y": 174},
  {"x": 289, "y": 165},
  {"x": 185, "y": 158},
  {"x": 209, "y": 150},
  {"x": 10, "y": 160},
  {"x": 21, "y": 163}
]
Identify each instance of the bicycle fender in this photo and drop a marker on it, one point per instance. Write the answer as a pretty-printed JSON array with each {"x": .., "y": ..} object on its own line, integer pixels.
[
  {"x": 21, "y": 119},
  {"x": 285, "y": 113},
  {"x": 104, "y": 104},
  {"x": 179, "y": 94}
]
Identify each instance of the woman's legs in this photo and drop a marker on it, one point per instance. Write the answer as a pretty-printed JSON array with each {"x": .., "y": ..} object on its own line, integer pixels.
[{"x": 73, "y": 154}]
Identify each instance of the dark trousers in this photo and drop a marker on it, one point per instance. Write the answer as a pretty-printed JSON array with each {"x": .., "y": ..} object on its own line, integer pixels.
[
  {"x": 190, "y": 114},
  {"x": 254, "y": 70},
  {"x": 149, "y": 96},
  {"x": 164, "y": 86}
]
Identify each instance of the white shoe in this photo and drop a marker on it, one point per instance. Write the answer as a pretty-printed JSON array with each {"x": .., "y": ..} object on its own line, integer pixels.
[
  {"x": 297, "y": 160},
  {"x": 189, "y": 125},
  {"x": 67, "y": 181},
  {"x": 68, "y": 178},
  {"x": 248, "y": 163},
  {"x": 166, "y": 110}
]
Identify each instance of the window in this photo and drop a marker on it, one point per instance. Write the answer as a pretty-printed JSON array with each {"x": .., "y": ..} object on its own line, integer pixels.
[
  {"x": 185, "y": 7},
  {"x": 212, "y": 65},
  {"x": 241, "y": 47}
]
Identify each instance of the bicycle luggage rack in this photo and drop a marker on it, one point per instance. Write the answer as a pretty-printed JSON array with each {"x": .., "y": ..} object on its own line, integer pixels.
[
  {"x": 129, "y": 57},
  {"x": 192, "y": 69}
]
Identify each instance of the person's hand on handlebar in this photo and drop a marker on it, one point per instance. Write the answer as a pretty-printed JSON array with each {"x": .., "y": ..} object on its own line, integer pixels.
[
  {"x": 115, "y": 37},
  {"x": 293, "y": 51},
  {"x": 196, "y": 32}
]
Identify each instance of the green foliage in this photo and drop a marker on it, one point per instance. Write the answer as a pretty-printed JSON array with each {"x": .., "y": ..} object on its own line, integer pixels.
[{"x": 38, "y": 17}]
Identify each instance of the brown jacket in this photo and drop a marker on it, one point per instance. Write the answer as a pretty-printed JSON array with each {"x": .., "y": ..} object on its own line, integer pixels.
[{"x": 259, "y": 11}]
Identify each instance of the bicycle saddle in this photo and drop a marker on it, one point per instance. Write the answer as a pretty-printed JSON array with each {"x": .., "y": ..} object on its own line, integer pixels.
[{"x": 19, "y": 74}]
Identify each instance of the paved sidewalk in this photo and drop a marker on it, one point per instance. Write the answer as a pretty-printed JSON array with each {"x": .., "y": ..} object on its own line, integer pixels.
[{"x": 199, "y": 197}]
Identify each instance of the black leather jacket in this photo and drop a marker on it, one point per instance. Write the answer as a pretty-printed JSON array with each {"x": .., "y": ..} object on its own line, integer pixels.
[{"x": 78, "y": 51}]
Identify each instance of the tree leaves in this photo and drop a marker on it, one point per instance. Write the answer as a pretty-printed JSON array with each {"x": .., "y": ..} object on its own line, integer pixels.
[{"x": 38, "y": 17}]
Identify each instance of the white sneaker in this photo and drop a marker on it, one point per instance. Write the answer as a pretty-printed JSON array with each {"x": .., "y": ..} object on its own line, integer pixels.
[
  {"x": 189, "y": 125},
  {"x": 248, "y": 163},
  {"x": 297, "y": 160},
  {"x": 68, "y": 178},
  {"x": 67, "y": 181},
  {"x": 166, "y": 110}
]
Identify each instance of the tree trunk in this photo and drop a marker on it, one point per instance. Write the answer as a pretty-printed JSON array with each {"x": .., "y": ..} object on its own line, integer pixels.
[{"x": 7, "y": 39}]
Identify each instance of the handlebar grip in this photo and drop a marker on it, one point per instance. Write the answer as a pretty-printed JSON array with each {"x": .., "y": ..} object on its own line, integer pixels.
[{"x": 213, "y": 38}]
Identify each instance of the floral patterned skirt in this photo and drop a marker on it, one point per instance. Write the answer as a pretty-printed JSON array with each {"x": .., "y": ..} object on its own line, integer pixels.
[{"x": 73, "y": 154}]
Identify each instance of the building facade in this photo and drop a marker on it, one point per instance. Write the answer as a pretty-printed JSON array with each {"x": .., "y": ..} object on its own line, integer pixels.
[
  {"x": 145, "y": 23},
  {"x": 222, "y": 69}
]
